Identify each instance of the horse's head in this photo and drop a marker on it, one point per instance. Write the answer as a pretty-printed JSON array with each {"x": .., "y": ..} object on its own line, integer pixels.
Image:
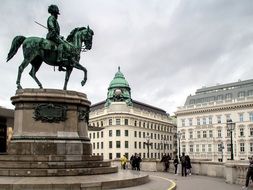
[{"x": 86, "y": 36}]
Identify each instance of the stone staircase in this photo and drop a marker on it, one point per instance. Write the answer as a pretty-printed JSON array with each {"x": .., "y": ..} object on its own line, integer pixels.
[{"x": 54, "y": 165}]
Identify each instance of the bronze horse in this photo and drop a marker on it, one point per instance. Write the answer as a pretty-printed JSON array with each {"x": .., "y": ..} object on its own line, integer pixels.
[{"x": 36, "y": 50}]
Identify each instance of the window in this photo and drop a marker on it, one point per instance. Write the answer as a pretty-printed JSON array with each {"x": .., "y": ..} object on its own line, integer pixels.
[
  {"x": 117, "y": 144},
  {"x": 110, "y": 133},
  {"x": 204, "y": 134},
  {"x": 94, "y": 146},
  {"x": 210, "y": 120},
  {"x": 110, "y": 156},
  {"x": 135, "y": 123},
  {"x": 117, "y": 155},
  {"x": 110, "y": 121},
  {"x": 139, "y": 145},
  {"x": 220, "y": 97},
  {"x": 228, "y": 96},
  {"x": 251, "y": 116},
  {"x": 204, "y": 121},
  {"x": 210, "y": 133},
  {"x": 126, "y": 133},
  {"x": 126, "y": 121},
  {"x": 242, "y": 147},
  {"x": 198, "y": 134},
  {"x": 198, "y": 121},
  {"x": 241, "y": 117},
  {"x": 228, "y": 117},
  {"x": 183, "y": 148},
  {"x": 250, "y": 93},
  {"x": 90, "y": 135},
  {"x": 191, "y": 147},
  {"x": 241, "y": 94},
  {"x": 102, "y": 145},
  {"x": 97, "y": 134},
  {"x": 135, "y": 133},
  {"x": 139, "y": 134},
  {"x": 183, "y": 122},
  {"x": 126, "y": 144},
  {"x": 102, "y": 134},
  {"x": 118, "y": 133},
  {"x": 228, "y": 147},
  {"x": 135, "y": 144},
  {"x": 97, "y": 145},
  {"x": 94, "y": 135},
  {"x": 197, "y": 147},
  {"x": 219, "y": 133},
  {"x": 228, "y": 133},
  {"x": 203, "y": 147},
  {"x": 191, "y": 134},
  {"x": 110, "y": 144},
  {"x": 251, "y": 131},
  {"x": 102, "y": 123},
  {"x": 218, "y": 119},
  {"x": 117, "y": 121},
  {"x": 190, "y": 122},
  {"x": 251, "y": 147},
  {"x": 241, "y": 132},
  {"x": 183, "y": 135},
  {"x": 143, "y": 134},
  {"x": 209, "y": 148}
]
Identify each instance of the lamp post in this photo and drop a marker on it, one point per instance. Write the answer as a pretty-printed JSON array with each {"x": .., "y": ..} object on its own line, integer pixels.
[
  {"x": 148, "y": 143},
  {"x": 179, "y": 137},
  {"x": 231, "y": 127}
]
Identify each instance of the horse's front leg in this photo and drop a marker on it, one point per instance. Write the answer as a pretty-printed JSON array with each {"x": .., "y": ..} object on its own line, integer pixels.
[
  {"x": 80, "y": 67},
  {"x": 67, "y": 75},
  {"x": 20, "y": 71}
]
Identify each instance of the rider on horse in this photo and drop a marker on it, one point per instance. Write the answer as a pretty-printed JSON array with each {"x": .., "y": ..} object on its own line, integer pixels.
[{"x": 54, "y": 33}]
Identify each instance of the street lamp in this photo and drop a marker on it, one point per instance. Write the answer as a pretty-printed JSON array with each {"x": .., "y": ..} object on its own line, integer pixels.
[
  {"x": 148, "y": 143},
  {"x": 231, "y": 127},
  {"x": 179, "y": 137}
]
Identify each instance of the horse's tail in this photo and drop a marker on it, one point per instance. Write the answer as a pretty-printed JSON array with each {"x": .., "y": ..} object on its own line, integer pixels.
[{"x": 16, "y": 43}]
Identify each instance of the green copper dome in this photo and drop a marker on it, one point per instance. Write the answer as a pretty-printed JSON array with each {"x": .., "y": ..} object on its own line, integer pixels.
[{"x": 119, "y": 81}]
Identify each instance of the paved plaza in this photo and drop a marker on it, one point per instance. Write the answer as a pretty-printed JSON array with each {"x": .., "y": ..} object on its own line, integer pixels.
[{"x": 160, "y": 181}]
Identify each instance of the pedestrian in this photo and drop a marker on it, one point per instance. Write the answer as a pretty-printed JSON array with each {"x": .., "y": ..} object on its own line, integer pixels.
[
  {"x": 188, "y": 165},
  {"x": 249, "y": 173},
  {"x": 176, "y": 162},
  {"x": 132, "y": 162},
  {"x": 138, "y": 162},
  {"x": 123, "y": 161},
  {"x": 183, "y": 164}
]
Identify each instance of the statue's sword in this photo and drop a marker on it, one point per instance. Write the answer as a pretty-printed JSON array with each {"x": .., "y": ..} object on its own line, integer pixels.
[{"x": 64, "y": 41}]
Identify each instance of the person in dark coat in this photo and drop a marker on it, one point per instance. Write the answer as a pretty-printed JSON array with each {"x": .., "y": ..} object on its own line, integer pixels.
[
  {"x": 188, "y": 165},
  {"x": 176, "y": 162},
  {"x": 138, "y": 162},
  {"x": 183, "y": 164},
  {"x": 249, "y": 173}
]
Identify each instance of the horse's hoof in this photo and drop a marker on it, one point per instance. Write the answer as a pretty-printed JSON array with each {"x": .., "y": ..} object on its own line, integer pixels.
[
  {"x": 83, "y": 82},
  {"x": 19, "y": 87}
]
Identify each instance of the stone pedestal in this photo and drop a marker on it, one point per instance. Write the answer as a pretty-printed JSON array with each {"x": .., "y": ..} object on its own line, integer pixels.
[
  {"x": 50, "y": 122},
  {"x": 51, "y": 136}
]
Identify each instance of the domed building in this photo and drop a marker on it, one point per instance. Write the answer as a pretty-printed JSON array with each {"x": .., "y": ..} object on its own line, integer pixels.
[{"x": 123, "y": 126}]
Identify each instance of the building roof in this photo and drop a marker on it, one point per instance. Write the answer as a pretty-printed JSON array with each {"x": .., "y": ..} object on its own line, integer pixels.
[
  {"x": 4, "y": 112},
  {"x": 136, "y": 104},
  {"x": 221, "y": 92}
]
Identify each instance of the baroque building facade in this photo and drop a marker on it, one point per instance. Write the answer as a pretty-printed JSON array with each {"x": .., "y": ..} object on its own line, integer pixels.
[
  {"x": 123, "y": 126},
  {"x": 203, "y": 122}
]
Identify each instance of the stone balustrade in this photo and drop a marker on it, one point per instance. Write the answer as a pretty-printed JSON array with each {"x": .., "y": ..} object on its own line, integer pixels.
[{"x": 233, "y": 172}]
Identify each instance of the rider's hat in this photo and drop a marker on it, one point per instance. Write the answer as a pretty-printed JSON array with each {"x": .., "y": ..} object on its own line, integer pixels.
[{"x": 53, "y": 9}]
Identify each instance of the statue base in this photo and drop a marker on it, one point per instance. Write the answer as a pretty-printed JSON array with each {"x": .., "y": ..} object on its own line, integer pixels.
[{"x": 51, "y": 136}]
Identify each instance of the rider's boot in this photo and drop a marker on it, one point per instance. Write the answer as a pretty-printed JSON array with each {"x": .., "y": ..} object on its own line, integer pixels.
[{"x": 60, "y": 58}]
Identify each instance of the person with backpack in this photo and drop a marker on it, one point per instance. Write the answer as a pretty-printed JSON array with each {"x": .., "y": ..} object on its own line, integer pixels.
[{"x": 183, "y": 164}]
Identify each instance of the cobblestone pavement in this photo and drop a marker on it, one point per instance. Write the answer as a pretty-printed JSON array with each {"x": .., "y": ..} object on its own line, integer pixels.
[{"x": 159, "y": 181}]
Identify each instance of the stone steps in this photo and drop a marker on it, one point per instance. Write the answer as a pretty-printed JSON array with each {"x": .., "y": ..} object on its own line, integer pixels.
[
  {"x": 53, "y": 158},
  {"x": 25, "y": 172},
  {"x": 54, "y": 165}
]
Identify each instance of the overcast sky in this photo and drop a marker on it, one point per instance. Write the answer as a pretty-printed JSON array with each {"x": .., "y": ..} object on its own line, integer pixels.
[{"x": 166, "y": 48}]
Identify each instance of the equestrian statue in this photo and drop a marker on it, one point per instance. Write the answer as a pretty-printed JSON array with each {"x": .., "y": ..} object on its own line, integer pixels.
[{"x": 53, "y": 50}]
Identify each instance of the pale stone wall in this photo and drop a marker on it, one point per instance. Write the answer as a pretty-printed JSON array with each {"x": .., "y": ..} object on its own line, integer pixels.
[{"x": 231, "y": 172}]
